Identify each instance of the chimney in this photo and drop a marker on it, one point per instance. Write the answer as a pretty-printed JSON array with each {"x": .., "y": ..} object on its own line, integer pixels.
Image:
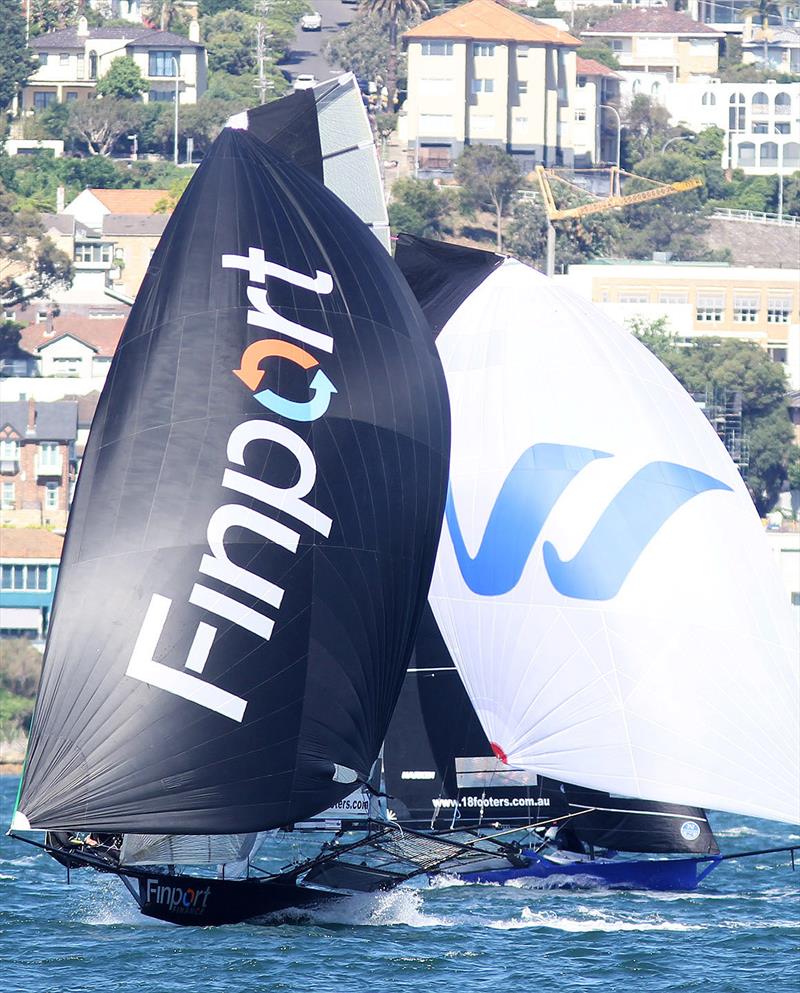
[
  {"x": 30, "y": 430},
  {"x": 194, "y": 31},
  {"x": 83, "y": 27},
  {"x": 60, "y": 196}
]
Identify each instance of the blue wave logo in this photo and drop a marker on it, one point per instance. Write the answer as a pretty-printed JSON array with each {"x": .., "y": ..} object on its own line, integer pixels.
[{"x": 601, "y": 565}]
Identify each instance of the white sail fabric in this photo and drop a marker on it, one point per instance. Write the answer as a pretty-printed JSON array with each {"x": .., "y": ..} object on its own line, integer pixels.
[
  {"x": 602, "y": 581},
  {"x": 189, "y": 849}
]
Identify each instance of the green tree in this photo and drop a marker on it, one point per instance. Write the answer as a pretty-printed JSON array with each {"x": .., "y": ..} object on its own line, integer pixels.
[
  {"x": 122, "y": 81},
  {"x": 586, "y": 17},
  {"x": 735, "y": 366},
  {"x": 419, "y": 207},
  {"x": 52, "y": 15},
  {"x": 577, "y": 239},
  {"x": 392, "y": 12},
  {"x": 100, "y": 123},
  {"x": 645, "y": 129},
  {"x": 16, "y": 59},
  {"x": 488, "y": 177},
  {"x": 599, "y": 51},
  {"x": 229, "y": 40},
  {"x": 30, "y": 264}
]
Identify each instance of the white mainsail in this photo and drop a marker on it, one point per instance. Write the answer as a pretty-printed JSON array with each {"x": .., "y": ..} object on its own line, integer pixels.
[{"x": 602, "y": 581}]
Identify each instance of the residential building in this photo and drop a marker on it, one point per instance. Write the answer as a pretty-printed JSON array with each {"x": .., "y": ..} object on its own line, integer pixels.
[
  {"x": 731, "y": 16},
  {"x": 73, "y": 59},
  {"x": 483, "y": 74},
  {"x": 777, "y": 48},
  {"x": 74, "y": 347},
  {"x": 665, "y": 45},
  {"x": 29, "y": 560},
  {"x": 595, "y": 125},
  {"x": 702, "y": 299},
  {"x": 761, "y": 121},
  {"x": 37, "y": 455}
]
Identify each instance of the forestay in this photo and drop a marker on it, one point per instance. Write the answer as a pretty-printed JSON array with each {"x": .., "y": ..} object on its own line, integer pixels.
[{"x": 602, "y": 581}]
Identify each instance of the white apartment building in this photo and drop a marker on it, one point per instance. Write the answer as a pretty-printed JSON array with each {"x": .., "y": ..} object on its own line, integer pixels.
[
  {"x": 702, "y": 299},
  {"x": 483, "y": 74},
  {"x": 72, "y": 60},
  {"x": 761, "y": 121},
  {"x": 594, "y": 129}
]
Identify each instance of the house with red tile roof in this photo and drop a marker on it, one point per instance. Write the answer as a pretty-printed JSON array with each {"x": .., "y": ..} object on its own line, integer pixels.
[
  {"x": 73, "y": 346},
  {"x": 657, "y": 41},
  {"x": 29, "y": 560},
  {"x": 481, "y": 73}
]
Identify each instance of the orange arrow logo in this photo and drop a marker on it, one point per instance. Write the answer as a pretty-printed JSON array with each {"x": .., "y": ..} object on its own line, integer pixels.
[{"x": 249, "y": 371}]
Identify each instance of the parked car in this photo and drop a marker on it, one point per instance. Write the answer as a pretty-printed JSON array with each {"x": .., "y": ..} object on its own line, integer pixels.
[
  {"x": 304, "y": 81},
  {"x": 311, "y": 22}
]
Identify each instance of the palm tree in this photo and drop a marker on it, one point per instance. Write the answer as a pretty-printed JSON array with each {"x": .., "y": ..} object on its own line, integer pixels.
[{"x": 391, "y": 10}]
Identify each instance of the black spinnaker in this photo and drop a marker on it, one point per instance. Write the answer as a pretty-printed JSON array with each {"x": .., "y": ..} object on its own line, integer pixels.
[{"x": 253, "y": 532}]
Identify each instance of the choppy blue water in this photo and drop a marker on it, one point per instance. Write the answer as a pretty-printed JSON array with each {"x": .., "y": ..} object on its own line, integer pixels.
[{"x": 739, "y": 932}]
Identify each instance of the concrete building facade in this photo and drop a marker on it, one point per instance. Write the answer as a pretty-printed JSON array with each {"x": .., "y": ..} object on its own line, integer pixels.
[{"x": 483, "y": 74}]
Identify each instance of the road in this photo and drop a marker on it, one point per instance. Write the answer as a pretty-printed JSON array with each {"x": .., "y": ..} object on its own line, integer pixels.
[{"x": 306, "y": 53}]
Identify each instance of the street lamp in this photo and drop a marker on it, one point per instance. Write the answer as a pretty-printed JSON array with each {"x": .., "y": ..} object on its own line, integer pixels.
[
  {"x": 176, "y": 67},
  {"x": 607, "y": 106},
  {"x": 679, "y": 137}
]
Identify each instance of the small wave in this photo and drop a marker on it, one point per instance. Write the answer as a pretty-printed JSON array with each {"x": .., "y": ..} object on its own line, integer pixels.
[
  {"x": 593, "y": 921},
  {"x": 23, "y": 859},
  {"x": 585, "y": 883},
  {"x": 400, "y": 906},
  {"x": 445, "y": 882},
  {"x": 4, "y": 876},
  {"x": 742, "y": 831}
]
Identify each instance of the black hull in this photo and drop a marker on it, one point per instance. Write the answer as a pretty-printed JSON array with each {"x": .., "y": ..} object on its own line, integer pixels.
[{"x": 202, "y": 902}]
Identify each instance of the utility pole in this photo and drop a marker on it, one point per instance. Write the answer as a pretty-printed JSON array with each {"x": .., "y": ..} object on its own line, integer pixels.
[{"x": 261, "y": 10}]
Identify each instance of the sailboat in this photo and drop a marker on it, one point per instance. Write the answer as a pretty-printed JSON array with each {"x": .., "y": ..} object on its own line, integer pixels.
[
  {"x": 248, "y": 553},
  {"x": 602, "y": 581},
  {"x": 441, "y": 776}
]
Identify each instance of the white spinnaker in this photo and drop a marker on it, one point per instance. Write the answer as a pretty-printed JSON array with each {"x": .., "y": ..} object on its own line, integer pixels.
[
  {"x": 189, "y": 849},
  {"x": 681, "y": 687}
]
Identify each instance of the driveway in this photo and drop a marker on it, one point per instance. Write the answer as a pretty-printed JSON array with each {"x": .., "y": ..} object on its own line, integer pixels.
[{"x": 306, "y": 53}]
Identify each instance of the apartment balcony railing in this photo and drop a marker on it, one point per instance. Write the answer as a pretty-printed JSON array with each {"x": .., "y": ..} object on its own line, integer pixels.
[
  {"x": 52, "y": 467},
  {"x": 9, "y": 465}
]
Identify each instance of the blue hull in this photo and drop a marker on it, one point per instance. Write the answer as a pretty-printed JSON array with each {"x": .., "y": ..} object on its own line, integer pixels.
[{"x": 628, "y": 874}]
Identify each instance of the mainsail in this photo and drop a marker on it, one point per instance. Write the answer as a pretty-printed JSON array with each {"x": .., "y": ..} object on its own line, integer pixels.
[
  {"x": 254, "y": 527},
  {"x": 440, "y": 773},
  {"x": 602, "y": 581}
]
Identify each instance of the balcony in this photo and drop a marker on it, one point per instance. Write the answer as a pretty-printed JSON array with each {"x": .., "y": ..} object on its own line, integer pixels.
[
  {"x": 51, "y": 467},
  {"x": 9, "y": 465}
]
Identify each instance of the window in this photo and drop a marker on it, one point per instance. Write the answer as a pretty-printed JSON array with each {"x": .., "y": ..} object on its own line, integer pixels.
[
  {"x": 72, "y": 96},
  {"x": 745, "y": 308},
  {"x": 92, "y": 251},
  {"x": 768, "y": 154},
  {"x": 655, "y": 89},
  {"x": 67, "y": 365},
  {"x": 161, "y": 63},
  {"x": 760, "y": 127},
  {"x": 437, "y": 48},
  {"x": 779, "y": 308},
  {"x": 161, "y": 96},
  {"x": 81, "y": 66},
  {"x": 709, "y": 99},
  {"x": 736, "y": 112},
  {"x": 783, "y": 127},
  {"x": 747, "y": 153},
  {"x": 43, "y": 100},
  {"x": 673, "y": 296},
  {"x": 24, "y": 577},
  {"x": 49, "y": 456},
  {"x": 582, "y": 80},
  {"x": 760, "y": 103},
  {"x": 778, "y": 353},
  {"x": 617, "y": 45},
  {"x": 522, "y": 51},
  {"x": 710, "y": 307},
  {"x": 483, "y": 86},
  {"x": 42, "y": 58},
  {"x": 783, "y": 104},
  {"x": 634, "y": 296},
  {"x": 92, "y": 65},
  {"x": 483, "y": 48},
  {"x": 63, "y": 58},
  {"x": 580, "y": 115},
  {"x": 9, "y": 450},
  {"x": 51, "y": 495},
  {"x": 8, "y": 496},
  {"x": 522, "y": 87},
  {"x": 791, "y": 156}
]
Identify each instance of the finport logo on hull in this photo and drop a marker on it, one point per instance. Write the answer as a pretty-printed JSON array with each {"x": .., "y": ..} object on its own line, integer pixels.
[{"x": 177, "y": 899}]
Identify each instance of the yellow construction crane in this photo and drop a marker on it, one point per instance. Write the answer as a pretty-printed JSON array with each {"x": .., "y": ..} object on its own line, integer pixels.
[{"x": 616, "y": 200}]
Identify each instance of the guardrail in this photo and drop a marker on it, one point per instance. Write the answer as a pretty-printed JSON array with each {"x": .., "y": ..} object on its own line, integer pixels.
[{"x": 756, "y": 217}]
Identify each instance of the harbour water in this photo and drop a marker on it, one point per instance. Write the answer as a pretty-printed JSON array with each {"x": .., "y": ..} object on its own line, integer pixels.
[{"x": 738, "y": 933}]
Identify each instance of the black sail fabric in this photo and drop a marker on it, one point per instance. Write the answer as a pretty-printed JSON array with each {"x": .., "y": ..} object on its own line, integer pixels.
[
  {"x": 440, "y": 773},
  {"x": 254, "y": 529}
]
